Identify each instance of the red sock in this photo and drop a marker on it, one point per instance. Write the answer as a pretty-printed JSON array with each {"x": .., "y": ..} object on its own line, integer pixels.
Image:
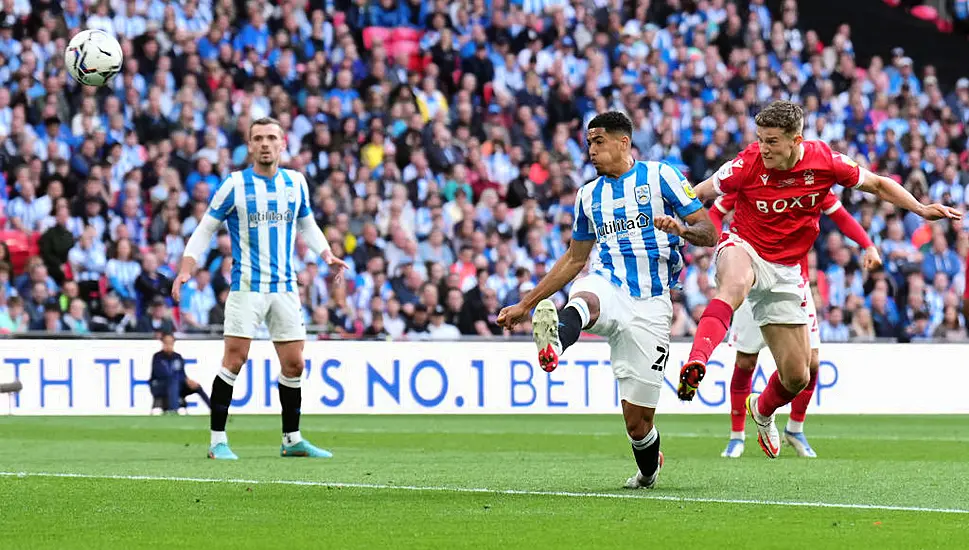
[
  {"x": 800, "y": 404},
  {"x": 739, "y": 390},
  {"x": 774, "y": 397},
  {"x": 710, "y": 331}
]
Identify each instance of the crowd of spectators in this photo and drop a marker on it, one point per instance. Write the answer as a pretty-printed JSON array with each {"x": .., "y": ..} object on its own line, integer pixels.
[{"x": 443, "y": 143}]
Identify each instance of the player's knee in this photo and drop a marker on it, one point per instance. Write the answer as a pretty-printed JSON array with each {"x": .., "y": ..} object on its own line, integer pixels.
[
  {"x": 234, "y": 360},
  {"x": 292, "y": 368},
  {"x": 795, "y": 380},
  {"x": 592, "y": 302},
  {"x": 746, "y": 361}
]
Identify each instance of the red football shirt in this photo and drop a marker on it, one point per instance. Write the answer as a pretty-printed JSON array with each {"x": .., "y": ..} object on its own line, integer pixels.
[{"x": 777, "y": 211}]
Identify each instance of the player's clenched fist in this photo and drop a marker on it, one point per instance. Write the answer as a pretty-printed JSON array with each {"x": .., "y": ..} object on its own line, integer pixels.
[
  {"x": 510, "y": 316},
  {"x": 669, "y": 224}
]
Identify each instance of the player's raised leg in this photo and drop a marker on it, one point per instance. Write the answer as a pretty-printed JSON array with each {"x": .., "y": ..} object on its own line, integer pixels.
[
  {"x": 789, "y": 345},
  {"x": 740, "y": 385},
  {"x": 735, "y": 277},
  {"x": 794, "y": 432},
  {"x": 291, "y": 400},
  {"x": 555, "y": 331},
  {"x": 235, "y": 355}
]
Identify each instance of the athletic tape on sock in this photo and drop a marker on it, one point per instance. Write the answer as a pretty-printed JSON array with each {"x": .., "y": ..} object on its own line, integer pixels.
[
  {"x": 289, "y": 382},
  {"x": 582, "y": 307},
  {"x": 646, "y": 441},
  {"x": 227, "y": 376}
]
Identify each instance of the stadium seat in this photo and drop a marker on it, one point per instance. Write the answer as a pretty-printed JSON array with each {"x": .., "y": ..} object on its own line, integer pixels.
[
  {"x": 406, "y": 34},
  {"x": 925, "y": 13},
  {"x": 371, "y": 34},
  {"x": 404, "y": 47}
]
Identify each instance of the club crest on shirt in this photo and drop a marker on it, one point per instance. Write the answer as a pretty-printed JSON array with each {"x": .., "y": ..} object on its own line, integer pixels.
[
  {"x": 809, "y": 177},
  {"x": 642, "y": 194}
]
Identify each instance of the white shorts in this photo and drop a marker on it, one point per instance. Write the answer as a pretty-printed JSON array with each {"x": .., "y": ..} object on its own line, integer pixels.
[
  {"x": 745, "y": 335},
  {"x": 639, "y": 337},
  {"x": 281, "y": 311},
  {"x": 778, "y": 291}
]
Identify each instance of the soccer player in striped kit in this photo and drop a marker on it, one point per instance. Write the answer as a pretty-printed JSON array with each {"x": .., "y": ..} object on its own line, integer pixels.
[
  {"x": 627, "y": 216},
  {"x": 263, "y": 206}
]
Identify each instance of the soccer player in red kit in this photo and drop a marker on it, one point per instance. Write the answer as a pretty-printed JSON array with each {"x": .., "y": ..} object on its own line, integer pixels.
[
  {"x": 780, "y": 183},
  {"x": 746, "y": 338}
]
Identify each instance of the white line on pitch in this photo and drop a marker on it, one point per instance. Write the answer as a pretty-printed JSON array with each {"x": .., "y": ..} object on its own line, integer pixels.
[{"x": 634, "y": 496}]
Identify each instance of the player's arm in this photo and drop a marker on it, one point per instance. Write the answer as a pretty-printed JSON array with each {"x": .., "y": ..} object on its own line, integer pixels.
[
  {"x": 219, "y": 209},
  {"x": 564, "y": 271},
  {"x": 678, "y": 193},
  {"x": 313, "y": 235},
  {"x": 889, "y": 190},
  {"x": 706, "y": 190},
  {"x": 850, "y": 228}
]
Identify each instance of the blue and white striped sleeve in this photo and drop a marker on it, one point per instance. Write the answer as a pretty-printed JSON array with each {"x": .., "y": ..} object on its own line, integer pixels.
[
  {"x": 223, "y": 203},
  {"x": 582, "y": 229},
  {"x": 677, "y": 191},
  {"x": 304, "y": 203}
]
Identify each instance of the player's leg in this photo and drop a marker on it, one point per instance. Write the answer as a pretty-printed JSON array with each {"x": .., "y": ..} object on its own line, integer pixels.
[
  {"x": 639, "y": 351},
  {"x": 794, "y": 432},
  {"x": 243, "y": 312},
  {"x": 645, "y": 441},
  {"x": 234, "y": 357},
  {"x": 745, "y": 337},
  {"x": 740, "y": 385},
  {"x": 554, "y": 331},
  {"x": 284, "y": 319},
  {"x": 735, "y": 277},
  {"x": 789, "y": 345}
]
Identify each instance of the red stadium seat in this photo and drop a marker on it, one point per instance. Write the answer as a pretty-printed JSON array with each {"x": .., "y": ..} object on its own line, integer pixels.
[
  {"x": 19, "y": 247},
  {"x": 406, "y": 34},
  {"x": 404, "y": 47},
  {"x": 487, "y": 92},
  {"x": 925, "y": 13},
  {"x": 372, "y": 34}
]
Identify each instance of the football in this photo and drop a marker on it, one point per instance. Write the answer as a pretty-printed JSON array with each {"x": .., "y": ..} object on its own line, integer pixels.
[{"x": 93, "y": 57}]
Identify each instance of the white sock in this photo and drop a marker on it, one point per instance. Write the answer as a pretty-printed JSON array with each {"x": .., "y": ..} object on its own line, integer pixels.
[
  {"x": 289, "y": 382},
  {"x": 291, "y": 439},
  {"x": 738, "y": 435},
  {"x": 583, "y": 309},
  {"x": 218, "y": 437},
  {"x": 794, "y": 427},
  {"x": 227, "y": 376}
]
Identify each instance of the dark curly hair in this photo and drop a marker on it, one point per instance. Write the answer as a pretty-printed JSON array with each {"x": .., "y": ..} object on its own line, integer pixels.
[{"x": 613, "y": 122}]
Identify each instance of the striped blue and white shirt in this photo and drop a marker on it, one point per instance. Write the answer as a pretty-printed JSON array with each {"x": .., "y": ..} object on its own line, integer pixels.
[
  {"x": 618, "y": 214},
  {"x": 261, "y": 214}
]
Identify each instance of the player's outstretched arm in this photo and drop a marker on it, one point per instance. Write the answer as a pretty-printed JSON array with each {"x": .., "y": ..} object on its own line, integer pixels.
[
  {"x": 888, "y": 190},
  {"x": 565, "y": 269},
  {"x": 700, "y": 231},
  {"x": 850, "y": 228},
  {"x": 194, "y": 248}
]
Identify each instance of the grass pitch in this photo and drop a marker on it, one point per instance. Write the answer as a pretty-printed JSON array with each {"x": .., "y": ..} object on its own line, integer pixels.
[{"x": 478, "y": 482}]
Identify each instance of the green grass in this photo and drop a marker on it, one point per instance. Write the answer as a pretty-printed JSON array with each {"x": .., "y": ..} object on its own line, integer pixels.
[{"x": 877, "y": 461}]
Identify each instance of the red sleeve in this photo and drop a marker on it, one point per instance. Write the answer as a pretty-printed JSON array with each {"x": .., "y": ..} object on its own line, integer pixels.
[
  {"x": 846, "y": 171},
  {"x": 849, "y": 226},
  {"x": 721, "y": 207},
  {"x": 729, "y": 178}
]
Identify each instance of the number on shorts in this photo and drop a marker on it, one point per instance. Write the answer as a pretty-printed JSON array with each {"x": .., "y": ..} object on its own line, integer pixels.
[{"x": 664, "y": 356}]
